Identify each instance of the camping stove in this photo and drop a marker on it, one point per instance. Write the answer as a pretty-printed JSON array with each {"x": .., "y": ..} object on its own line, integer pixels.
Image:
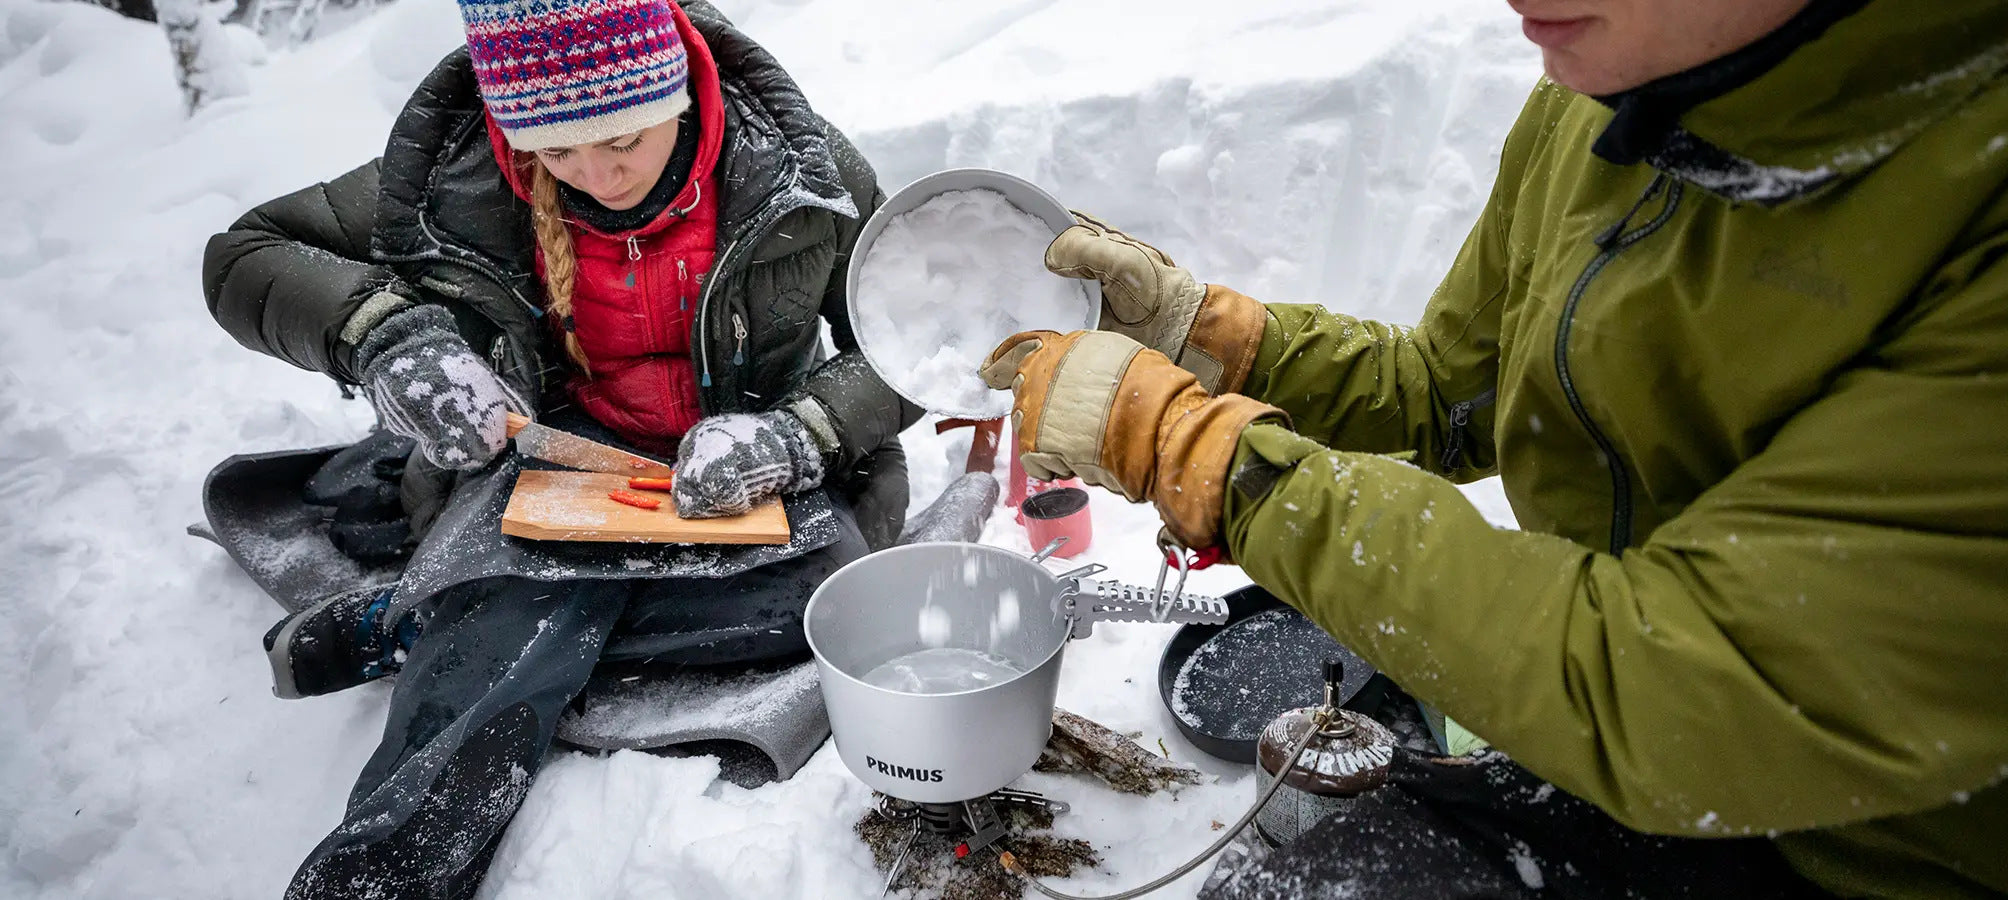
[{"x": 975, "y": 821}]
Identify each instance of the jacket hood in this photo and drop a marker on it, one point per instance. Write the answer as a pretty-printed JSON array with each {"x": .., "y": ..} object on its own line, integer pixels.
[
  {"x": 772, "y": 116},
  {"x": 1857, "y": 83}
]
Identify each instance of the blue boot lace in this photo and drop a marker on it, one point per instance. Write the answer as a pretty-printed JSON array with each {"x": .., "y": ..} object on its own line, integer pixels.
[{"x": 384, "y": 649}]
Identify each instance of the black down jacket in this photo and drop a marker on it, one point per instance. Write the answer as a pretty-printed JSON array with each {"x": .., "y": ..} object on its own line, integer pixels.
[{"x": 434, "y": 220}]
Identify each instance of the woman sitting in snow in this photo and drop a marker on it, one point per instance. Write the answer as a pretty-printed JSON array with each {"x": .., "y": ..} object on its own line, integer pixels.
[{"x": 620, "y": 217}]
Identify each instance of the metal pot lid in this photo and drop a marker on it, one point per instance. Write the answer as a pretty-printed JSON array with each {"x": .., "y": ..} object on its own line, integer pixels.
[
  {"x": 1223, "y": 684},
  {"x": 1029, "y": 198}
]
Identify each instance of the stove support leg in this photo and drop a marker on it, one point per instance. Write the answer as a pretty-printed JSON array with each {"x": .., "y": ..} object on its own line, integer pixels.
[{"x": 985, "y": 827}]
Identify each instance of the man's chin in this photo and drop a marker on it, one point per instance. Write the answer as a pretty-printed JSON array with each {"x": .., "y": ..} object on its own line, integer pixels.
[{"x": 1573, "y": 72}]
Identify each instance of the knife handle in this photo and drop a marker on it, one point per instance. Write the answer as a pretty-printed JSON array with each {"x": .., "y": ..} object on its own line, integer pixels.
[{"x": 515, "y": 422}]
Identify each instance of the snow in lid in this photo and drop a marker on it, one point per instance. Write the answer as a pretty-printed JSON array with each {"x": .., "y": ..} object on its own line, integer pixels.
[{"x": 945, "y": 283}]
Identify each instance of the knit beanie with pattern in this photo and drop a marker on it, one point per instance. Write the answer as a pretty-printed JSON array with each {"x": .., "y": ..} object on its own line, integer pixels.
[{"x": 556, "y": 73}]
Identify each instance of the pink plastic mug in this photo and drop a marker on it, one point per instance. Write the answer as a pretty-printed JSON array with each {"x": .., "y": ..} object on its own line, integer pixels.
[{"x": 1055, "y": 513}]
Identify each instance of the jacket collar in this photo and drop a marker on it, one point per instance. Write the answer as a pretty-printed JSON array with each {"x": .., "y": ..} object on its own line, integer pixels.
[
  {"x": 1835, "y": 91},
  {"x": 1645, "y": 118}
]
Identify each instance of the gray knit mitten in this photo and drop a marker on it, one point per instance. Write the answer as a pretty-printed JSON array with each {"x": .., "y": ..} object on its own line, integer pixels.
[
  {"x": 728, "y": 463},
  {"x": 428, "y": 385}
]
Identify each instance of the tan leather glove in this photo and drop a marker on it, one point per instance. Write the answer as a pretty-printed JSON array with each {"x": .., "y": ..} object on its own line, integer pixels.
[
  {"x": 1101, "y": 407},
  {"x": 1208, "y": 330}
]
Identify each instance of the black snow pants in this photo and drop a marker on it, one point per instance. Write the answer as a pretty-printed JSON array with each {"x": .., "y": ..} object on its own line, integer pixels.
[
  {"x": 1487, "y": 828},
  {"x": 478, "y": 700}
]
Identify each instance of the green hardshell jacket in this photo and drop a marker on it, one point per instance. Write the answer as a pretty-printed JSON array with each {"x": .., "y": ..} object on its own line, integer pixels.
[{"x": 1749, "y": 400}]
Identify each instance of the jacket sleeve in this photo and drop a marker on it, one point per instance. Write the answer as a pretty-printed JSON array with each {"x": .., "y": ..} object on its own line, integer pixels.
[
  {"x": 287, "y": 275},
  {"x": 1380, "y": 388},
  {"x": 858, "y": 411},
  {"x": 1818, "y": 639}
]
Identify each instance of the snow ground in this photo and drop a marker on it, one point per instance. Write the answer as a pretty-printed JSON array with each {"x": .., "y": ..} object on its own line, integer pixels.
[{"x": 1334, "y": 151}]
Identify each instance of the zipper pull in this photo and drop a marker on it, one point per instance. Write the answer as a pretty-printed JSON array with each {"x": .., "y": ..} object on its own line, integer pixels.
[
  {"x": 1608, "y": 238},
  {"x": 682, "y": 277},
  {"x": 634, "y": 249},
  {"x": 739, "y": 332},
  {"x": 1453, "y": 446}
]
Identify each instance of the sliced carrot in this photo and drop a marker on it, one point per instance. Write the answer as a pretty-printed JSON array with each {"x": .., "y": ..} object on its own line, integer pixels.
[
  {"x": 636, "y": 500},
  {"x": 652, "y": 484}
]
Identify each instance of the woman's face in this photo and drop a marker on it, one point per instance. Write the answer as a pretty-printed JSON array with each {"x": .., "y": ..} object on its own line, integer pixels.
[
  {"x": 1602, "y": 47},
  {"x": 619, "y": 172}
]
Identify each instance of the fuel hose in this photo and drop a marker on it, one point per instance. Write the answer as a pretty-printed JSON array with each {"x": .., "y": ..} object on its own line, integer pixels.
[{"x": 1318, "y": 724}]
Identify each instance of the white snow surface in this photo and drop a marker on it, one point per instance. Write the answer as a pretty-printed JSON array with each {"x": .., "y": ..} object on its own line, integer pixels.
[
  {"x": 1300, "y": 151},
  {"x": 947, "y": 281}
]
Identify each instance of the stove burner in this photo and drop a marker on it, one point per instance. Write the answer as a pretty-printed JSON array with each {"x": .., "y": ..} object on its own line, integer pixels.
[
  {"x": 943, "y": 818},
  {"x": 976, "y": 820}
]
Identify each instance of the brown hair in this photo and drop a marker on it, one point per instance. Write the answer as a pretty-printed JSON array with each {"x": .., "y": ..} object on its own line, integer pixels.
[{"x": 561, "y": 263}]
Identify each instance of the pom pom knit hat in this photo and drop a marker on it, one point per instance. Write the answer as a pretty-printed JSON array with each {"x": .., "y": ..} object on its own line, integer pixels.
[{"x": 555, "y": 73}]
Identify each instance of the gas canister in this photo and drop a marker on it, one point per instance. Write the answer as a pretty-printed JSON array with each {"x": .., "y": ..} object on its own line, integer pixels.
[{"x": 1347, "y": 757}]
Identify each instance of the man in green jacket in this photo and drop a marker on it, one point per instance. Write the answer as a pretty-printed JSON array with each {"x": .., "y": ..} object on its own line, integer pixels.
[{"x": 1733, "y": 330}]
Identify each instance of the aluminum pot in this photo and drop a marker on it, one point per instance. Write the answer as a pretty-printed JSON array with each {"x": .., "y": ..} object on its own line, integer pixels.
[
  {"x": 938, "y": 748},
  {"x": 1029, "y": 198}
]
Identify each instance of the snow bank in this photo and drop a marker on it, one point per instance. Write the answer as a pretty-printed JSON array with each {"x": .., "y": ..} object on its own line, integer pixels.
[
  {"x": 1333, "y": 152},
  {"x": 1316, "y": 152}
]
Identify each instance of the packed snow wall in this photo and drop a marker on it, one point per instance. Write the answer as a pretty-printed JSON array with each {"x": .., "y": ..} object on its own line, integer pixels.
[
  {"x": 1333, "y": 153},
  {"x": 1352, "y": 192}
]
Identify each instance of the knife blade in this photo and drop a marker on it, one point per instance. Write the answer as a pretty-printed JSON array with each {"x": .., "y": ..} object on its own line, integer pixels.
[{"x": 569, "y": 450}]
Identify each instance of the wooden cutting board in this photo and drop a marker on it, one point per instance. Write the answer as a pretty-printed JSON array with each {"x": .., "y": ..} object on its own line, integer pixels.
[{"x": 573, "y": 506}]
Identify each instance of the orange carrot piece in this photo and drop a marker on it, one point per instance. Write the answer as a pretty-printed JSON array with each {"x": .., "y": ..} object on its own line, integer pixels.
[
  {"x": 635, "y": 500},
  {"x": 652, "y": 484}
]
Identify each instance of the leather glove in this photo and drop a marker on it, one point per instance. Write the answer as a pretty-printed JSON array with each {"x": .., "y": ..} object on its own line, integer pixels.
[
  {"x": 1208, "y": 330},
  {"x": 728, "y": 463},
  {"x": 1104, "y": 408},
  {"x": 428, "y": 385}
]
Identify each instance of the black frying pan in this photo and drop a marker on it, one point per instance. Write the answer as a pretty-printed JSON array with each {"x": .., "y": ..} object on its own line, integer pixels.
[{"x": 1240, "y": 676}]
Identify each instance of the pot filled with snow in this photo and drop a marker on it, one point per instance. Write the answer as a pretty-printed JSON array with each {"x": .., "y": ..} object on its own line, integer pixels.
[
  {"x": 949, "y": 267},
  {"x": 939, "y": 662}
]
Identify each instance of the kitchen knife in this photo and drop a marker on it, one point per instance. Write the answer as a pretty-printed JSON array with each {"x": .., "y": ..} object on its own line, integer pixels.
[{"x": 570, "y": 450}]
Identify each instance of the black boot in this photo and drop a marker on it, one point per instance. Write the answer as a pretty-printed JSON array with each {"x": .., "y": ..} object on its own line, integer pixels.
[{"x": 337, "y": 643}]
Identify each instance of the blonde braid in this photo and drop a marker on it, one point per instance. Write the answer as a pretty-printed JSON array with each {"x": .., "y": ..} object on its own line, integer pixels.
[{"x": 561, "y": 263}]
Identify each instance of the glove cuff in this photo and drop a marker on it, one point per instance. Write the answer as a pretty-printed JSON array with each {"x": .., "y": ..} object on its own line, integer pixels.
[
  {"x": 822, "y": 428},
  {"x": 378, "y": 307},
  {"x": 1195, "y": 452},
  {"x": 398, "y": 325},
  {"x": 1225, "y": 336},
  {"x": 805, "y": 457}
]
